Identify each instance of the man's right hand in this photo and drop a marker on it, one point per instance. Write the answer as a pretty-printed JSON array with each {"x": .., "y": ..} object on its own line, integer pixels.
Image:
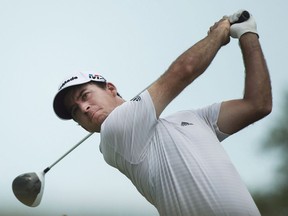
[{"x": 222, "y": 28}]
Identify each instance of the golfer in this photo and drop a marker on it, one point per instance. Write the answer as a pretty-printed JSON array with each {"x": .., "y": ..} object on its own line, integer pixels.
[{"x": 177, "y": 162}]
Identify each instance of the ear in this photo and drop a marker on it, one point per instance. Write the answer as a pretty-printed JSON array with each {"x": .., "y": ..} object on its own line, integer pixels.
[{"x": 111, "y": 88}]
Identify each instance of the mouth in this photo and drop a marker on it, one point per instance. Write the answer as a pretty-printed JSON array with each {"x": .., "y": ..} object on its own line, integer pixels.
[
  {"x": 92, "y": 115},
  {"x": 95, "y": 115}
]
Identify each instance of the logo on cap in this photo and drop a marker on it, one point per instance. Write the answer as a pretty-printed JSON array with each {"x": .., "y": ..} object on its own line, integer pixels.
[
  {"x": 97, "y": 77},
  {"x": 67, "y": 81}
]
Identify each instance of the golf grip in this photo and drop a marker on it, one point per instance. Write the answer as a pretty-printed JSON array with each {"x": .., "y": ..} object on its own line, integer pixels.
[{"x": 243, "y": 17}]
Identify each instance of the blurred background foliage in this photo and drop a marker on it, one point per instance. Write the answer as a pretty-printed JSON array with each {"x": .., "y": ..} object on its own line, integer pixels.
[{"x": 274, "y": 202}]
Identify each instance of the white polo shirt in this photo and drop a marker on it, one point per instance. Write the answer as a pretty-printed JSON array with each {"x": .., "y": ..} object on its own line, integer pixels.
[{"x": 177, "y": 163}]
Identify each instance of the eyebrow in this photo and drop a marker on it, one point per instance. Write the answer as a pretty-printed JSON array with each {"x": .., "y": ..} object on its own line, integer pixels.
[
  {"x": 81, "y": 93},
  {"x": 75, "y": 97}
]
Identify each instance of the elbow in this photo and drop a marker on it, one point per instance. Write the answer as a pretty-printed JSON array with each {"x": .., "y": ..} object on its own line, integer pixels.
[
  {"x": 264, "y": 109},
  {"x": 260, "y": 104},
  {"x": 268, "y": 104}
]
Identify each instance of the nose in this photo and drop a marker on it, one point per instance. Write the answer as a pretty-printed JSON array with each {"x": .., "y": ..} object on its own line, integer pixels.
[{"x": 85, "y": 107}]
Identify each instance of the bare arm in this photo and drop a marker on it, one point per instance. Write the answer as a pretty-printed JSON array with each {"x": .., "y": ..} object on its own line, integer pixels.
[
  {"x": 188, "y": 66},
  {"x": 257, "y": 99}
]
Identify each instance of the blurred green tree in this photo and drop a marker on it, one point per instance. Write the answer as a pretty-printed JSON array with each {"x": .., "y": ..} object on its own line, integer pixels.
[{"x": 275, "y": 201}]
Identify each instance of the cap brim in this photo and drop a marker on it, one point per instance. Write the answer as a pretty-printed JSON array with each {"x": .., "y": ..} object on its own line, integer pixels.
[{"x": 59, "y": 107}]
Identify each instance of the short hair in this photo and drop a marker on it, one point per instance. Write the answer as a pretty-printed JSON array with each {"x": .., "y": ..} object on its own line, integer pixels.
[{"x": 103, "y": 85}]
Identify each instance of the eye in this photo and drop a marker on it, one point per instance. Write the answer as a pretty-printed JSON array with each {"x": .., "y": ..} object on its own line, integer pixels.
[{"x": 84, "y": 96}]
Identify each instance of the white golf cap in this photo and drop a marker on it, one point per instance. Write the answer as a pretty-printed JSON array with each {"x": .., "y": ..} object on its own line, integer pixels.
[{"x": 73, "y": 80}]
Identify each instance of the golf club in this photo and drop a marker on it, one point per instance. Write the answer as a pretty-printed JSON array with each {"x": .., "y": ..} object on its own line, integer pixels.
[{"x": 28, "y": 187}]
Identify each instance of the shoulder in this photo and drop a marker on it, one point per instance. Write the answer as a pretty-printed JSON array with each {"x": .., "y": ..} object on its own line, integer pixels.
[
  {"x": 127, "y": 130},
  {"x": 132, "y": 120},
  {"x": 133, "y": 108}
]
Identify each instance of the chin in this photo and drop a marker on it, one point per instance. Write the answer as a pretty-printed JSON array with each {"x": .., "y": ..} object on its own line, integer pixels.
[{"x": 92, "y": 129}]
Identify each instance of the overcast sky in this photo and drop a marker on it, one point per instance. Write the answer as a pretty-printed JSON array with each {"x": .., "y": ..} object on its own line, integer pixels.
[{"x": 131, "y": 43}]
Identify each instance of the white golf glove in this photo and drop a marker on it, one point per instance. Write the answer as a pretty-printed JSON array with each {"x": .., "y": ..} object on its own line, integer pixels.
[{"x": 238, "y": 29}]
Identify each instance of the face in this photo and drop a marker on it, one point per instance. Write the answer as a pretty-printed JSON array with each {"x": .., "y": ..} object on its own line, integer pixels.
[{"x": 90, "y": 105}]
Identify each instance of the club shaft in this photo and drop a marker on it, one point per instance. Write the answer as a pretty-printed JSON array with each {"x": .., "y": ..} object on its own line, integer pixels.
[
  {"x": 75, "y": 146},
  {"x": 243, "y": 17}
]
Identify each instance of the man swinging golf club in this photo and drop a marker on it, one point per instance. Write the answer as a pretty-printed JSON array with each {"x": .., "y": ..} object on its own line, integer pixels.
[{"x": 177, "y": 162}]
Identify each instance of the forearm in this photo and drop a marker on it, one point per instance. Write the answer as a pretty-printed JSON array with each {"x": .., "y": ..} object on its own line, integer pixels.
[
  {"x": 257, "y": 81},
  {"x": 188, "y": 66},
  {"x": 196, "y": 59}
]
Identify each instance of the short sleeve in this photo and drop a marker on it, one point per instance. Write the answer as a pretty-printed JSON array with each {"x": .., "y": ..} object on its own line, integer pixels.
[
  {"x": 126, "y": 132},
  {"x": 210, "y": 115}
]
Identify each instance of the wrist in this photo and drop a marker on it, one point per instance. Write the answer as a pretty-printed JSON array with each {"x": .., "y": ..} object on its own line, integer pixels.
[
  {"x": 221, "y": 37},
  {"x": 249, "y": 43},
  {"x": 248, "y": 36}
]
